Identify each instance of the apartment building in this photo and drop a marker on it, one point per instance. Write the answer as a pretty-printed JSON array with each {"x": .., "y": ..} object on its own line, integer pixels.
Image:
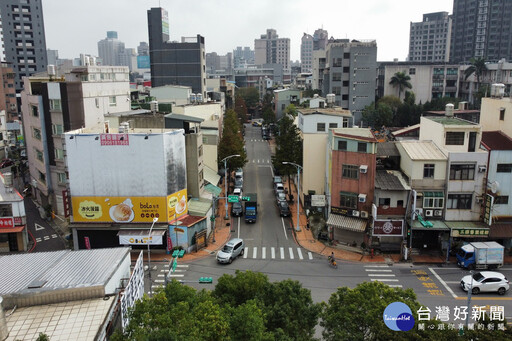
[{"x": 429, "y": 40}]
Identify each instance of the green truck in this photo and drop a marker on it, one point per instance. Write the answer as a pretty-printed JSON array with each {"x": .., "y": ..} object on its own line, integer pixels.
[{"x": 251, "y": 207}]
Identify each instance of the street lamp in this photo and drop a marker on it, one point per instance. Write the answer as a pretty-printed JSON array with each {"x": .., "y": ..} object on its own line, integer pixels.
[
  {"x": 149, "y": 256},
  {"x": 298, "y": 189},
  {"x": 226, "y": 181}
]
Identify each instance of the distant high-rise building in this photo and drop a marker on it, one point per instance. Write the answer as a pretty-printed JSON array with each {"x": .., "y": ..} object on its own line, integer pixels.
[
  {"x": 143, "y": 49},
  {"x": 111, "y": 50},
  {"x": 7, "y": 92},
  {"x": 174, "y": 63},
  {"x": 429, "y": 40},
  {"x": 306, "y": 53},
  {"x": 22, "y": 33},
  {"x": 270, "y": 49},
  {"x": 52, "y": 56},
  {"x": 320, "y": 39},
  {"x": 481, "y": 28},
  {"x": 243, "y": 56}
]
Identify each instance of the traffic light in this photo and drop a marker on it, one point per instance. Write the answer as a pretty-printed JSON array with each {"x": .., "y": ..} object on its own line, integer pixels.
[
  {"x": 408, "y": 231},
  {"x": 205, "y": 280}
]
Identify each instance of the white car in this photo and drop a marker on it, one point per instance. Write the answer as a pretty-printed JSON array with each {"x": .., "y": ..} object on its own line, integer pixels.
[
  {"x": 485, "y": 281},
  {"x": 238, "y": 191}
]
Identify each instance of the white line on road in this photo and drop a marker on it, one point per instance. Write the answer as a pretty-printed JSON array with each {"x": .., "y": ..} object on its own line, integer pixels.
[
  {"x": 310, "y": 256},
  {"x": 182, "y": 265},
  {"x": 395, "y": 285},
  {"x": 379, "y": 270},
  {"x": 284, "y": 228},
  {"x": 272, "y": 253},
  {"x": 254, "y": 252},
  {"x": 452, "y": 282},
  {"x": 246, "y": 251},
  {"x": 281, "y": 249},
  {"x": 300, "y": 254},
  {"x": 263, "y": 252},
  {"x": 176, "y": 275},
  {"x": 38, "y": 240},
  {"x": 238, "y": 227},
  {"x": 384, "y": 280},
  {"x": 376, "y": 266},
  {"x": 291, "y": 252},
  {"x": 382, "y": 275},
  {"x": 159, "y": 281},
  {"x": 443, "y": 283},
  {"x": 54, "y": 236},
  {"x": 46, "y": 237},
  {"x": 38, "y": 227}
]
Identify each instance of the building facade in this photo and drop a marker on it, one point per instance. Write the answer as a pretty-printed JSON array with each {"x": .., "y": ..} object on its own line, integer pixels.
[
  {"x": 111, "y": 50},
  {"x": 8, "y": 92},
  {"x": 23, "y": 37},
  {"x": 306, "y": 53},
  {"x": 174, "y": 63},
  {"x": 481, "y": 28},
  {"x": 243, "y": 56},
  {"x": 270, "y": 49},
  {"x": 429, "y": 40}
]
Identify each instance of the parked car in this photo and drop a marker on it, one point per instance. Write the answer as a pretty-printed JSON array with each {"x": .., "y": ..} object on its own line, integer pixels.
[
  {"x": 485, "y": 281},
  {"x": 284, "y": 209},
  {"x": 280, "y": 197},
  {"x": 239, "y": 183},
  {"x": 276, "y": 180},
  {"x": 278, "y": 187},
  {"x": 237, "y": 209},
  {"x": 234, "y": 248},
  {"x": 237, "y": 191},
  {"x": 239, "y": 173}
]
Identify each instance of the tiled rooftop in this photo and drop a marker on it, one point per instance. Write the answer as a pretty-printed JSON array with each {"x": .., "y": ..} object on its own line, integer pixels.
[{"x": 496, "y": 140}]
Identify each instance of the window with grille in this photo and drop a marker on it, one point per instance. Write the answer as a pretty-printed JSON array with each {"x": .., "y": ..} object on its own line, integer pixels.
[
  {"x": 454, "y": 138},
  {"x": 462, "y": 172},
  {"x": 459, "y": 201},
  {"x": 348, "y": 200},
  {"x": 504, "y": 168},
  {"x": 350, "y": 171},
  {"x": 428, "y": 170}
]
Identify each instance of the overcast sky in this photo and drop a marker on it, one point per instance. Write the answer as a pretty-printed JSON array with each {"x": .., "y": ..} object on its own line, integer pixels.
[{"x": 75, "y": 26}]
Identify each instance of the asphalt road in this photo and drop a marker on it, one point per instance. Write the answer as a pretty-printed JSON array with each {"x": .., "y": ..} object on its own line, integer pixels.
[{"x": 40, "y": 231}]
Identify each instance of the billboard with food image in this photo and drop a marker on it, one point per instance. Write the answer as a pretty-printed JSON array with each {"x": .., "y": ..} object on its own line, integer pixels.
[
  {"x": 177, "y": 204},
  {"x": 119, "y": 209}
]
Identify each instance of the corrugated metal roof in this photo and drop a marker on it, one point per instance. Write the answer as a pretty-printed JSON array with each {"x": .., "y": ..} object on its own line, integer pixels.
[
  {"x": 496, "y": 140},
  {"x": 391, "y": 180},
  {"x": 199, "y": 207},
  {"x": 422, "y": 150},
  {"x": 406, "y": 130},
  {"x": 347, "y": 223},
  {"x": 59, "y": 269},
  {"x": 387, "y": 149},
  {"x": 362, "y": 133},
  {"x": 211, "y": 176}
]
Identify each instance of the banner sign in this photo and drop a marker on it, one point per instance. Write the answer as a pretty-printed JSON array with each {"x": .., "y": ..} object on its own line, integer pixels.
[
  {"x": 470, "y": 232},
  {"x": 114, "y": 139},
  {"x": 140, "y": 240},
  {"x": 6, "y": 222},
  {"x": 318, "y": 200},
  {"x": 388, "y": 227}
]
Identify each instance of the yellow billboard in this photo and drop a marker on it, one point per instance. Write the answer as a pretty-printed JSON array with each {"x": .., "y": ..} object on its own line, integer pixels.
[
  {"x": 119, "y": 209},
  {"x": 177, "y": 204}
]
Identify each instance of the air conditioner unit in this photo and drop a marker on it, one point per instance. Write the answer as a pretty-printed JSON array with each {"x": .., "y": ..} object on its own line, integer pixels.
[
  {"x": 362, "y": 197},
  {"x": 364, "y": 214},
  {"x": 479, "y": 200},
  {"x": 355, "y": 213},
  {"x": 363, "y": 169},
  {"x": 482, "y": 169},
  {"x": 438, "y": 213},
  {"x": 429, "y": 213}
]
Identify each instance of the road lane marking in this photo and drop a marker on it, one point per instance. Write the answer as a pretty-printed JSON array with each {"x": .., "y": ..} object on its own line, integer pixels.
[
  {"x": 443, "y": 283},
  {"x": 182, "y": 265},
  {"x": 46, "y": 237},
  {"x": 281, "y": 249},
  {"x": 395, "y": 285},
  {"x": 379, "y": 270},
  {"x": 38, "y": 240},
  {"x": 452, "y": 282},
  {"x": 376, "y": 266},
  {"x": 383, "y": 280},
  {"x": 238, "y": 227},
  {"x": 284, "y": 228},
  {"x": 300, "y": 254},
  {"x": 382, "y": 275},
  {"x": 273, "y": 253},
  {"x": 254, "y": 252},
  {"x": 54, "y": 236},
  {"x": 246, "y": 251},
  {"x": 159, "y": 281},
  {"x": 176, "y": 275},
  {"x": 310, "y": 256},
  {"x": 263, "y": 252},
  {"x": 38, "y": 227},
  {"x": 291, "y": 252}
]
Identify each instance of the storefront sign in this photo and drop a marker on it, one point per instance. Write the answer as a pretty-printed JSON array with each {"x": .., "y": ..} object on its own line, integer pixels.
[
  {"x": 87, "y": 243},
  {"x": 470, "y": 232},
  {"x": 6, "y": 222},
  {"x": 388, "y": 227},
  {"x": 18, "y": 221},
  {"x": 489, "y": 200},
  {"x": 177, "y": 204},
  {"x": 114, "y": 139},
  {"x": 318, "y": 200},
  {"x": 339, "y": 210},
  {"x": 140, "y": 240}
]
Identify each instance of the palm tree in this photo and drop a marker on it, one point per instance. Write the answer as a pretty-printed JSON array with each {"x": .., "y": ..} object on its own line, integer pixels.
[
  {"x": 401, "y": 80},
  {"x": 477, "y": 67}
]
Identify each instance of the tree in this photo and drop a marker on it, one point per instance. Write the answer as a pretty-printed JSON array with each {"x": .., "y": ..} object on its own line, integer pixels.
[
  {"x": 241, "y": 109},
  {"x": 250, "y": 95},
  {"x": 378, "y": 115},
  {"x": 391, "y": 101},
  {"x": 477, "y": 67},
  {"x": 309, "y": 93},
  {"x": 232, "y": 142},
  {"x": 291, "y": 110},
  {"x": 288, "y": 147},
  {"x": 269, "y": 116},
  {"x": 401, "y": 80},
  {"x": 240, "y": 288}
]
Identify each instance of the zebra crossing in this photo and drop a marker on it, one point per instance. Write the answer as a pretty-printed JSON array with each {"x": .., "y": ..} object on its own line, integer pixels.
[
  {"x": 263, "y": 161},
  {"x": 382, "y": 273},
  {"x": 177, "y": 274},
  {"x": 276, "y": 253},
  {"x": 39, "y": 239},
  {"x": 255, "y": 140}
]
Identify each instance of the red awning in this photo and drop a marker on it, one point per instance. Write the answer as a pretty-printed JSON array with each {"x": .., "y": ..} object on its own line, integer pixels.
[{"x": 14, "y": 229}]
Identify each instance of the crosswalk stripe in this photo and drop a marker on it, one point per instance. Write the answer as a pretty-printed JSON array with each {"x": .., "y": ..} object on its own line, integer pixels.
[
  {"x": 300, "y": 253},
  {"x": 54, "y": 236},
  {"x": 382, "y": 275},
  {"x": 38, "y": 240},
  {"x": 254, "y": 252},
  {"x": 395, "y": 285},
  {"x": 176, "y": 275},
  {"x": 263, "y": 252},
  {"x": 310, "y": 256},
  {"x": 159, "y": 281},
  {"x": 376, "y": 266},
  {"x": 182, "y": 265},
  {"x": 291, "y": 252},
  {"x": 273, "y": 252},
  {"x": 46, "y": 237},
  {"x": 281, "y": 249},
  {"x": 379, "y": 270},
  {"x": 384, "y": 280},
  {"x": 246, "y": 251}
]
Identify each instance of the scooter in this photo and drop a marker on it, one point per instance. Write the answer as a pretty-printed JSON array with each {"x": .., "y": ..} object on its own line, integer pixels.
[{"x": 332, "y": 262}]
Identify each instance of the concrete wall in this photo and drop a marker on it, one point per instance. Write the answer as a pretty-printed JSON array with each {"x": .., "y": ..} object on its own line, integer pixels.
[
  {"x": 504, "y": 180},
  {"x": 313, "y": 177},
  {"x": 167, "y": 94},
  {"x": 490, "y": 115}
]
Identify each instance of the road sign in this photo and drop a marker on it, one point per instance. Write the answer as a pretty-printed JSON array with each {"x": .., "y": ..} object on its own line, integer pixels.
[
  {"x": 246, "y": 198},
  {"x": 233, "y": 198}
]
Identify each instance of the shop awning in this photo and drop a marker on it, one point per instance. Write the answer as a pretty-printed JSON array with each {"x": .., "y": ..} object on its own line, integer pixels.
[
  {"x": 213, "y": 189},
  {"x": 14, "y": 229},
  {"x": 211, "y": 176},
  {"x": 437, "y": 225},
  {"x": 347, "y": 223},
  {"x": 468, "y": 229},
  {"x": 433, "y": 194},
  {"x": 143, "y": 233},
  {"x": 499, "y": 231}
]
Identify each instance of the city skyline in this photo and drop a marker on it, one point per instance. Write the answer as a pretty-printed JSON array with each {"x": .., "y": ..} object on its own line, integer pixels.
[{"x": 385, "y": 21}]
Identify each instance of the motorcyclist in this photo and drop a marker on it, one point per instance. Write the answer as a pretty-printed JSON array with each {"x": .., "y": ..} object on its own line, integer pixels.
[{"x": 331, "y": 258}]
